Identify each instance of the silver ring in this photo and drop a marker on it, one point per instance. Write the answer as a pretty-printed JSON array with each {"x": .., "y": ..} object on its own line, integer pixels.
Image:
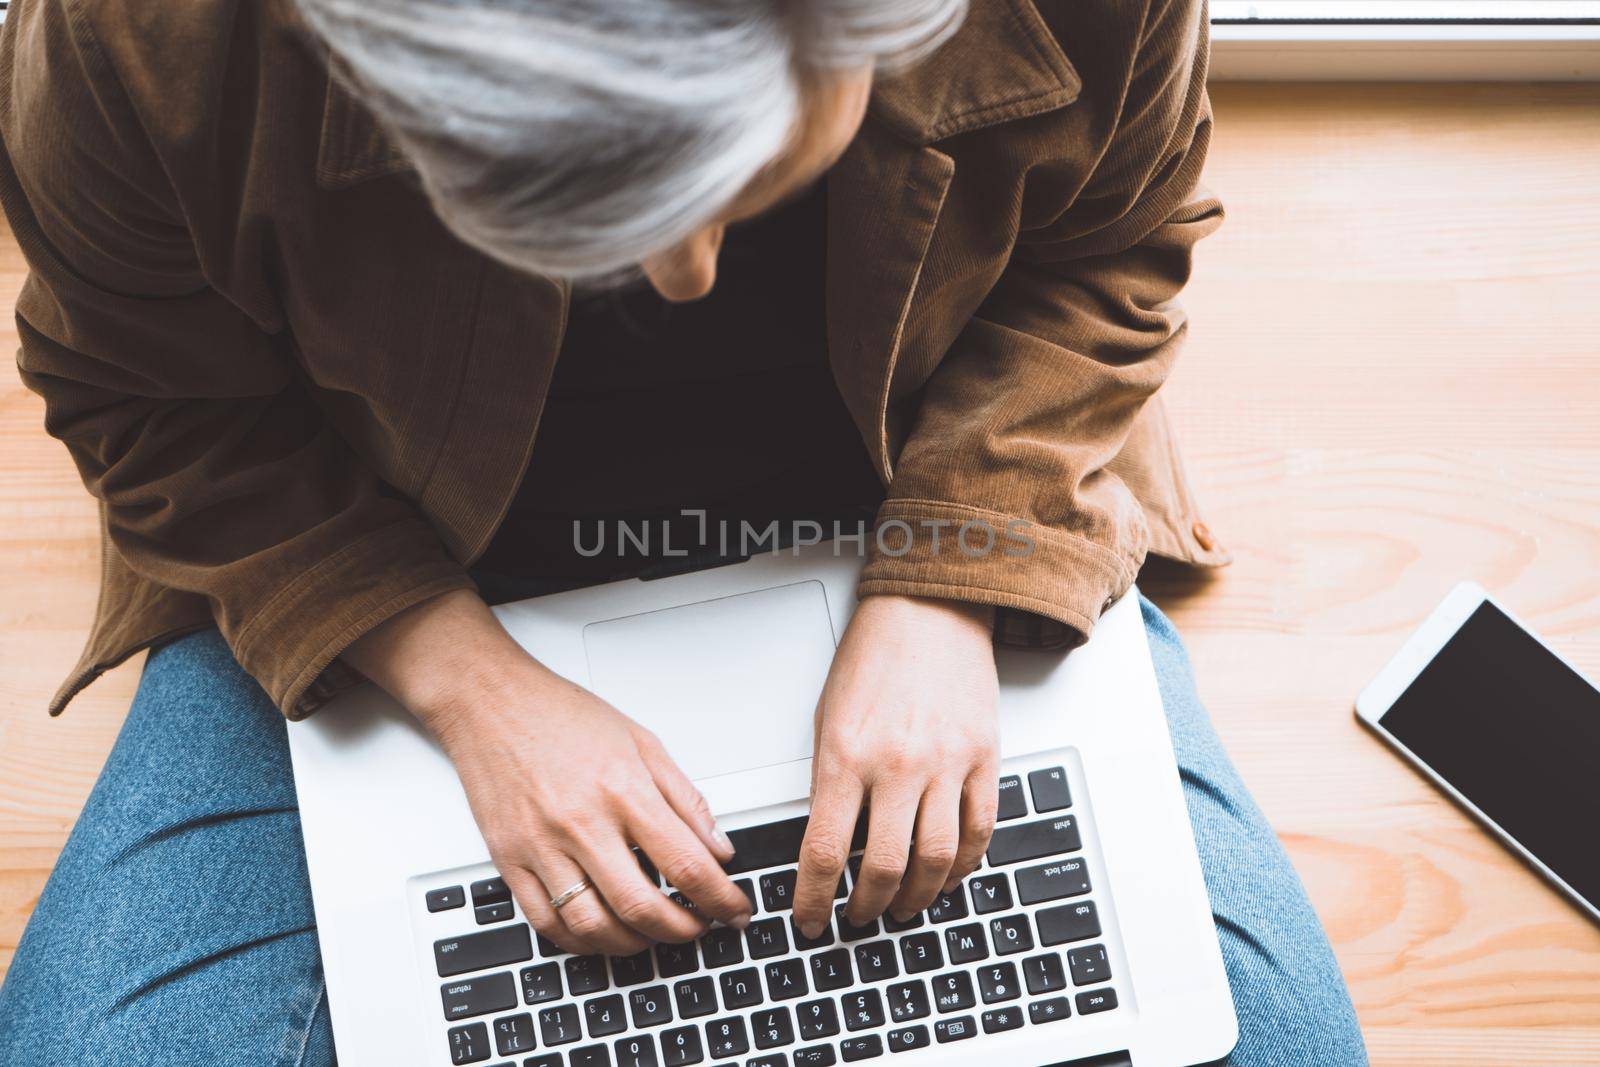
[{"x": 561, "y": 900}]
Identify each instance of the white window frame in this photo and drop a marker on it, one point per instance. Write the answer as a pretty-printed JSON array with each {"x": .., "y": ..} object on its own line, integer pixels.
[{"x": 1405, "y": 40}]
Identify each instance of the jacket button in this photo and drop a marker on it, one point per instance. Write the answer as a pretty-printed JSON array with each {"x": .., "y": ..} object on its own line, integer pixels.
[{"x": 1202, "y": 535}]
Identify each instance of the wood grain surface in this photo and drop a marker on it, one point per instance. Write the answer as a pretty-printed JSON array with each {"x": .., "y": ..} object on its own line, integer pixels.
[{"x": 1393, "y": 383}]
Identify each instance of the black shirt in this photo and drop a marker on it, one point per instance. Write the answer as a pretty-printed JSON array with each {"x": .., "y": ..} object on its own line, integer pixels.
[{"x": 726, "y": 404}]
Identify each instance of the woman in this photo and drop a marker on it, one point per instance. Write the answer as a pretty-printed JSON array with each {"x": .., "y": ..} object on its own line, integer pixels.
[{"x": 300, "y": 276}]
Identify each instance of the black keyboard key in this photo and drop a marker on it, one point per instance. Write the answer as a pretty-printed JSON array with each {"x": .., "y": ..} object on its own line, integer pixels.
[
  {"x": 966, "y": 944},
  {"x": 490, "y": 891},
  {"x": 695, "y": 997},
  {"x": 549, "y": 1059},
  {"x": 650, "y": 1006},
  {"x": 1050, "y": 790},
  {"x": 1044, "y": 974},
  {"x": 586, "y": 974},
  {"x": 722, "y": 946},
  {"x": 469, "y": 1044},
  {"x": 998, "y": 983},
  {"x": 1034, "y": 840},
  {"x": 727, "y": 1037},
  {"x": 636, "y": 1051},
  {"x": 766, "y": 938},
  {"x": 908, "y": 1038},
  {"x": 921, "y": 952},
  {"x": 1013, "y": 805},
  {"x": 681, "y": 1047},
  {"x": 786, "y": 979},
  {"x": 818, "y": 1018},
  {"x": 605, "y": 1016},
  {"x": 953, "y": 992},
  {"x": 908, "y": 1000},
  {"x": 682, "y": 900},
  {"x": 647, "y": 867},
  {"x": 446, "y": 899},
  {"x": 831, "y": 970},
  {"x": 772, "y": 1027},
  {"x": 559, "y": 1025},
  {"x": 875, "y": 961},
  {"x": 494, "y": 913},
  {"x": 948, "y": 907},
  {"x": 478, "y": 952},
  {"x": 802, "y": 943},
  {"x": 590, "y": 1056},
  {"x": 541, "y": 982},
  {"x": 815, "y": 1056},
  {"x": 632, "y": 970},
  {"x": 894, "y": 926},
  {"x": 849, "y": 931},
  {"x": 1011, "y": 934},
  {"x": 958, "y": 1029},
  {"x": 776, "y": 844},
  {"x": 990, "y": 893},
  {"x": 1089, "y": 965},
  {"x": 748, "y": 889},
  {"x": 478, "y": 996},
  {"x": 999, "y": 1020},
  {"x": 776, "y": 1059},
  {"x": 1096, "y": 1000},
  {"x": 514, "y": 1034},
  {"x": 864, "y": 1047},
  {"x": 1053, "y": 881},
  {"x": 777, "y": 890},
  {"x": 741, "y": 988},
  {"x": 1049, "y": 1011},
  {"x": 675, "y": 961},
  {"x": 1067, "y": 922},
  {"x": 548, "y": 948},
  {"x": 863, "y": 1009}
]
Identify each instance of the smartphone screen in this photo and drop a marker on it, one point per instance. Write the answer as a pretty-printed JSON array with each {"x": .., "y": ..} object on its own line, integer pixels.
[{"x": 1517, "y": 732}]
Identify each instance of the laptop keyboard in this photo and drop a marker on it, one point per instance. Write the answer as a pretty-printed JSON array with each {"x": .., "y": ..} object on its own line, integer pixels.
[{"x": 1018, "y": 945}]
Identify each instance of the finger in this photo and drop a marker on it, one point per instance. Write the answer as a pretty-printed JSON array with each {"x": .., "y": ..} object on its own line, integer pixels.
[
  {"x": 634, "y": 900},
  {"x": 681, "y": 857},
  {"x": 835, "y": 805},
  {"x": 938, "y": 835},
  {"x": 980, "y": 800},
  {"x": 586, "y": 914},
  {"x": 680, "y": 793},
  {"x": 890, "y": 820},
  {"x": 534, "y": 899}
]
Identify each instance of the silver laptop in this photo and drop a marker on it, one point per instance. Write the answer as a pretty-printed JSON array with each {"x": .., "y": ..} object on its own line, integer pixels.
[{"x": 1085, "y": 939}]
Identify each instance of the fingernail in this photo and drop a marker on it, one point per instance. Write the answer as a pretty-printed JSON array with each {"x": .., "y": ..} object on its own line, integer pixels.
[
  {"x": 900, "y": 916},
  {"x": 741, "y": 922},
  {"x": 950, "y": 886},
  {"x": 811, "y": 930},
  {"x": 721, "y": 839}
]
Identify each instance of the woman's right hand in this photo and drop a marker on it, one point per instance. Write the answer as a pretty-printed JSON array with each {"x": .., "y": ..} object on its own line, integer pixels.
[{"x": 561, "y": 783}]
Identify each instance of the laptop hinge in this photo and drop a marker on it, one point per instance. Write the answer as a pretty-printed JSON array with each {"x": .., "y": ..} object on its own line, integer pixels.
[{"x": 1105, "y": 1059}]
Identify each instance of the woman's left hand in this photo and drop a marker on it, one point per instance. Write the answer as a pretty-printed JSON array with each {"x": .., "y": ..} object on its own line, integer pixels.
[{"x": 906, "y": 724}]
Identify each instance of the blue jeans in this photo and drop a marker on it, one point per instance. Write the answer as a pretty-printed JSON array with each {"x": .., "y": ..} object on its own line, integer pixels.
[{"x": 177, "y": 926}]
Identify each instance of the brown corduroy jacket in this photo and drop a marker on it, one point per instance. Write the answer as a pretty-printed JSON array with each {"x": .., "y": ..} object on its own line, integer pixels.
[{"x": 305, "y": 405}]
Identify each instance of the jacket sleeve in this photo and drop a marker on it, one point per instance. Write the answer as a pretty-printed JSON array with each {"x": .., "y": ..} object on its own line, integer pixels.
[
  {"x": 187, "y": 418},
  {"x": 1000, "y": 494}
]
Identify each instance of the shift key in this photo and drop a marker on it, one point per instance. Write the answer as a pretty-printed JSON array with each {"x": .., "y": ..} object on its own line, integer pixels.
[
  {"x": 1033, "y": 840},
  {"x": 475, "y": 952}
]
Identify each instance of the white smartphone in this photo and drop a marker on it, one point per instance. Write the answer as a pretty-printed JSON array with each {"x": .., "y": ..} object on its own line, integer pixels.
[{"x": 1505, "y": 726}]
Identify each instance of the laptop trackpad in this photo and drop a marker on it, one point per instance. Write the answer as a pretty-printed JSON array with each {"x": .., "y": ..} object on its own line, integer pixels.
[{"x": 727, "y": 684}]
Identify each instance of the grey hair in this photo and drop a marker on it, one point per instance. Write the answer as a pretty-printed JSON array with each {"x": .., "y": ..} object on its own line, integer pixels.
[{"x": 577, "y": 137}]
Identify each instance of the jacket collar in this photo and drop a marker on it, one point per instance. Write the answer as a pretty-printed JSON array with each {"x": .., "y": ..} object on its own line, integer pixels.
[{"x": 1002, "y": 64}]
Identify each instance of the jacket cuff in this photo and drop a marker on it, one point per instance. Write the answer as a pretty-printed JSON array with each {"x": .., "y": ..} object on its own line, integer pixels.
[
  {"x": 292, "y": 643},
  {"x": 1050, "y": 587}
]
